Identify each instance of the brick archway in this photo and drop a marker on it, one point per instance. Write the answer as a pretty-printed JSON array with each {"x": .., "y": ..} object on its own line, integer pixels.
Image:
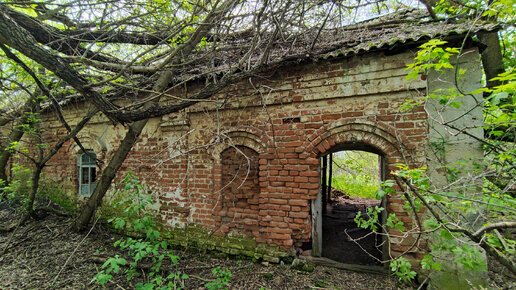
[
  {"x": 341, "y": 135},
  {"x": 237, "y": 138},
  {"x": 238, "y": 201},
  {"x": 372, "y": 137}
]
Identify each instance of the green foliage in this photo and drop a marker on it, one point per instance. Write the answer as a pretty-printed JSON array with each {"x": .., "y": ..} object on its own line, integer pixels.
[
  {"x": 416, "y": 176},
  {"x": 502, "y": 244},
  {"x": 58, "y": 193},
  {"x": 464, "y": 254},
  {"x": 371, "y": 222},
  {"x": 432, "y": 57},
  {"x": 402, "y": 269},
  {"x": 112, "y": 265},
  {"x": 16, "y": 83},
  {"x": 356, "y": 173},
  {"x": 384, "y": 189},
  {"x": 222, "y": 279},
  {"x": 428, "y": 263},
  {"x": 137, "y": 219},
  {"x": 393, "y": 222},
  {"x": 502, "y": 10},
  {"x": 500, "y": 111},
  {"x": 20, "y": 183},
  {"x": 358, "y": 185}
]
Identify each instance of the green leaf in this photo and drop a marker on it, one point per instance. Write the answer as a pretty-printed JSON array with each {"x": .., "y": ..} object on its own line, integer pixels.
[{"x": 446, "y": 234}]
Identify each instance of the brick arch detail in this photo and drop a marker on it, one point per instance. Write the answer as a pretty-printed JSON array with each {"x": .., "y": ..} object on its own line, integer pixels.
[
  {"x": 374, "y": 134},
  {"x": 248, "y": 136},
  {"x": 87, "y": 143},
  {"x": 238, "y": 186}
]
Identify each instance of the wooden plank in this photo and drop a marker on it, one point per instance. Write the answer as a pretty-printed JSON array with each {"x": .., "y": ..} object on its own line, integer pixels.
[
  {"x": 324, "y": 186},
  {"x": 351, "y": 267},
  {"x": 317, "y": 225},
  {"x": 330, "y": 173},
  {"x": 385, "y": 241}
]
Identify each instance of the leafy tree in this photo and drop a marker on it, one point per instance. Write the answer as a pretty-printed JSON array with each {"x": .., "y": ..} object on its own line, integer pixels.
[{"x": 356, "y": 173}]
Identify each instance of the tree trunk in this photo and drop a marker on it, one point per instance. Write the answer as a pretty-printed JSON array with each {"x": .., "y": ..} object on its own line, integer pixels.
[
  {"x": 33, "y": 189},
  {"x": 15, "y": 136},
  {"x": 116, "y": 162}
]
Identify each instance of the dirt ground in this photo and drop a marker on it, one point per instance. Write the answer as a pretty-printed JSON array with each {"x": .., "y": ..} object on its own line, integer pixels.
[{"x": 45, "y": 253}]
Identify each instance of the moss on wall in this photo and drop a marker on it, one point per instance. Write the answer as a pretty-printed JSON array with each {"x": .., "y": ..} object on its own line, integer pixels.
[{"x": 196, "y": 237}]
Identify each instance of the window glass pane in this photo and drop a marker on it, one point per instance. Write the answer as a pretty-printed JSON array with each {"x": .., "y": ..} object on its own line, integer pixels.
[
  {"x": 85, "y": 177},
  {"x": 84, "y": 190},
  {"x": 93, "y": 174},
  {"x": 87, "y": 173},
  {"x": 86, "y": 159},
  {"x": 92, "y": 187}
]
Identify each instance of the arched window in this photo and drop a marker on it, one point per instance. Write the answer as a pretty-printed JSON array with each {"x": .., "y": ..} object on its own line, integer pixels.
[{"x": 87, "y": 173}]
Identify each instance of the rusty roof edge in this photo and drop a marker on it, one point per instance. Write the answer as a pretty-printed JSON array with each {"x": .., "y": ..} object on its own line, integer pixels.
[{"x": 413, "y": 39}]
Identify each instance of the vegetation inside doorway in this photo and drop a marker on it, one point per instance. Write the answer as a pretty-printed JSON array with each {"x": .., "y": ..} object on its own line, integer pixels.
[{"x": 349, "y": 182}]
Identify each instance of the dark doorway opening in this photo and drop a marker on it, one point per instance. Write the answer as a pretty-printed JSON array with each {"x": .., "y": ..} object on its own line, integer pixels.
[{"x": 349, "y": 181}]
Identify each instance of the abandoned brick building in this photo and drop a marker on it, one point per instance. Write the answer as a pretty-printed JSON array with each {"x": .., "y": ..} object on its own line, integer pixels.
[{"x": 242, "y": 172}]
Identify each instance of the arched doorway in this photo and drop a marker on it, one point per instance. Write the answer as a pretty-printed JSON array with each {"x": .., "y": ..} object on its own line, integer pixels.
[{"x": 350, "y": 177}]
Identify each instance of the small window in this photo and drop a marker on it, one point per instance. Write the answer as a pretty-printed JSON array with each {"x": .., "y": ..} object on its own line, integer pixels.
[{"x": 87, "y": 173}]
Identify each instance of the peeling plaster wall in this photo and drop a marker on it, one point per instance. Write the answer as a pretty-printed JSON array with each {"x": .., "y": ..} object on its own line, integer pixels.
[
  {"x": 289, "y": 117},
  {"x": 447, "y": 147}
]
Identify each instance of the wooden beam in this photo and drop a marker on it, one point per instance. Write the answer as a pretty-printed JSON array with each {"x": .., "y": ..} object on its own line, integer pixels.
[
  {"x": 324, "y": 186},
  {"x": 330, "y": 174},
  {"x": 352, "y": 267}
]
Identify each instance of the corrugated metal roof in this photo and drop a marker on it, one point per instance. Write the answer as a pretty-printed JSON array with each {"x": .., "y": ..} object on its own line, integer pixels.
[{"x": 367, "y": 39}]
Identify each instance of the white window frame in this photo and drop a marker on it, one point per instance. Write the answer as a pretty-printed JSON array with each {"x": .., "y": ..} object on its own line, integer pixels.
[{"x": 86, "y": 189}]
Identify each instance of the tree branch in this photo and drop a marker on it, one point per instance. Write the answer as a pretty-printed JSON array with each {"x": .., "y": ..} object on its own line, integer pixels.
[{"x": 494, "y": 226}]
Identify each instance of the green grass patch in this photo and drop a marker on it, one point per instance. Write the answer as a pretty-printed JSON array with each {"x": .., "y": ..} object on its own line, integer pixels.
[{"x": 357, "y": 186}]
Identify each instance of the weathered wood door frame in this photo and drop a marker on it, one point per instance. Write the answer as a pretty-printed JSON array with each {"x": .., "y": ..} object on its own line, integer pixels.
[{"x": 317, "y": 225}]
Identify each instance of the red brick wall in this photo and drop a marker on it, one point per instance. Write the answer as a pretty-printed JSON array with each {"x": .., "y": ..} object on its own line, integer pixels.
[
  {"x": 283, "y": 122},
  {"x": 239, "y": 195}
]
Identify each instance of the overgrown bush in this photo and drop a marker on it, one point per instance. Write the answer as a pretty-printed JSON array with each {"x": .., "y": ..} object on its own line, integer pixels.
[
  {"x": 20, "y": 184},
  {"x": 137, "y": 218},
  {"x": 60, "y": 194}
]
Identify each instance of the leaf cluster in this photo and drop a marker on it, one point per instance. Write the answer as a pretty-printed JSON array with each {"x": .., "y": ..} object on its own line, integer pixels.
[{"x": 151, "y": 248}]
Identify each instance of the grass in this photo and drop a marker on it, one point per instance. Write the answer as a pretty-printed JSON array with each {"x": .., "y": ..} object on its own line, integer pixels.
[{"x": 356, "y": 186}]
